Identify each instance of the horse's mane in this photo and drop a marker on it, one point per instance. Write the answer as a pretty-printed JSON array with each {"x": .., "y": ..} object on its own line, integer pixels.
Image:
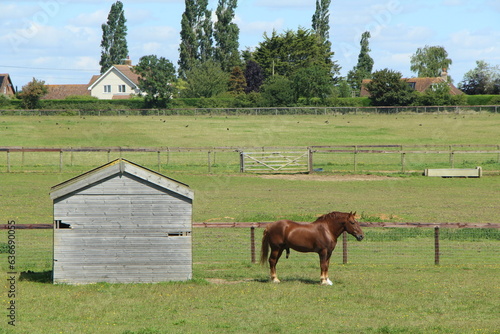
[{"x": 329, "y": 216}]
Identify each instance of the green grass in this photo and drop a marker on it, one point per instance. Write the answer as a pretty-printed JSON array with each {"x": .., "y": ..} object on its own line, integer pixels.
[
  {"x": 248, "y": 131},
  {"x": 389, "y": 286}
]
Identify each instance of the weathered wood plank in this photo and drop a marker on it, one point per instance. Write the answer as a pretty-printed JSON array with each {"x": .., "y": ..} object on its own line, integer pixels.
[{"x": 454, "y": 172}]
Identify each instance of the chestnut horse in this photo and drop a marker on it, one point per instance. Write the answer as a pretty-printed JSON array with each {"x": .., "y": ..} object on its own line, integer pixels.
[{"x": 319, "y": 237}]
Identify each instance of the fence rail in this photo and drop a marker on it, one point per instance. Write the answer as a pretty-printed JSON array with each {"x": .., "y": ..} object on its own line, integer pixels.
[
  {"x": 256, "y": 111},
  {"x": 352, "y": 158},
  {"x": 429, "y": 242}
]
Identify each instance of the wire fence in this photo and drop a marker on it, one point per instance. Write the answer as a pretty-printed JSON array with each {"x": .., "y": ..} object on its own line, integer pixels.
[
  {"x": 254, "y": 111},
  {"x": 351, "y": 158},
  {"x": 231, "y": 253}
]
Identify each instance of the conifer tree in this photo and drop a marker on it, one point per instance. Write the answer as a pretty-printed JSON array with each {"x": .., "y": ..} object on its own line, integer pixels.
[
  {"x": 237, "y": 82},
  {"x": 320, "y": 19},
  {"x": 226, "y": 35},
  {"x": 114, "y": 38},
  {"x": 364, "y": 67}
]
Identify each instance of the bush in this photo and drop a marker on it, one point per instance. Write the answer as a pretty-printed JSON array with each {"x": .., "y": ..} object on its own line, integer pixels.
[{"x": 481, "y": 100}]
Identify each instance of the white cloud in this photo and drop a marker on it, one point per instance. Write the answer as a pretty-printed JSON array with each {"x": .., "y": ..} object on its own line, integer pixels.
[{"x": 284, "y": 3}]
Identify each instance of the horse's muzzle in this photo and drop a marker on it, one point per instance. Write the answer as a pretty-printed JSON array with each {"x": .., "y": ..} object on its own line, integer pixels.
[{"x": 360, "y": 237}]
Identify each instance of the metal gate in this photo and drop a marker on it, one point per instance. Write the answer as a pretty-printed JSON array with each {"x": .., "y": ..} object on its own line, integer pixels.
[{"x": 275, "y": 162}]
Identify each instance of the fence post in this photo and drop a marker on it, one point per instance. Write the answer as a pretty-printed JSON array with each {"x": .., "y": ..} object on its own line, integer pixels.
[
  {"x": 60, "y": 160},
  {"x": 344, "y": 247},
  {"x": 209, "y": 163},
  {"x": 436, "y": 245},
  {"x": 159, "y": 162},
  {"x": 403, "y": 162},
  {"x": 310, "y": 160},
  {"x": 252, "y": 243},
  {"x": 8, "y": 161},
  {"x": 355, "y": 155}
]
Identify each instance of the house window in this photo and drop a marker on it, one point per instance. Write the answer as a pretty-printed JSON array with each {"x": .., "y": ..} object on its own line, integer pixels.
[
  {"x": 107, "y": 88},
  {"x": 412, "y": 85},
  {"x": 121, "y": 88}
]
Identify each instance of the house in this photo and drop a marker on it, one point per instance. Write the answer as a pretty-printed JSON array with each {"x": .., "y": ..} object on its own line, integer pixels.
[
  {"x": 118, "y": 82},
  {"x": 60, "y": 92},
  {"x": 6, "y": 86},
  {"x": 122, "y": 223},
  {"x": 418, "y": 84}
]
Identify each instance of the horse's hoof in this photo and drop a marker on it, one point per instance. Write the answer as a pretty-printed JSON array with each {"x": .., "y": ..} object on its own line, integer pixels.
[
  {"x": 326, "y": 282},
  {"x": 275, "y": 280}
]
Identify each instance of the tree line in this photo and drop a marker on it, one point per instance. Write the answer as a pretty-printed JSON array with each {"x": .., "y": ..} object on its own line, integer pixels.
[{"x": 285, "y": 68}]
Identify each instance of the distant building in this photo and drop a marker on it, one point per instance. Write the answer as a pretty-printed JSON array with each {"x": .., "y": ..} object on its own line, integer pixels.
[
  {"x": 418, "y": 84},
  {"x": 6, "y": 86},
  {"x": 60, "y": 92},
  {"x": 118, "y": 82}
]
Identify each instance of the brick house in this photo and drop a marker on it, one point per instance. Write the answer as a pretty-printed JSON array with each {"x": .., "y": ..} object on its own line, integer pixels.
[
  {"x": 418, "y": 84},
  {"x": 6, "y": 86}
]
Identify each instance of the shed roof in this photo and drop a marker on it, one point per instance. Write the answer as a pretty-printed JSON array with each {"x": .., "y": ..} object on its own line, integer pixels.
[{"x": 119, "y": 167}]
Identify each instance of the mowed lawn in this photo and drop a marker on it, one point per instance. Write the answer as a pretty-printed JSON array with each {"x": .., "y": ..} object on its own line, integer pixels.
[{"x": 236, "y": 297}]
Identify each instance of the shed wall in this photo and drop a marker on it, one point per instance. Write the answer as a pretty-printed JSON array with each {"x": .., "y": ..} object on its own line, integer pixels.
[{"x": 123, "y": 229}]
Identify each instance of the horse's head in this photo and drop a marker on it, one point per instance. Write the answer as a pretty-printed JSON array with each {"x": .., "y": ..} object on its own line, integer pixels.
[{"x": 352, "y": 226}]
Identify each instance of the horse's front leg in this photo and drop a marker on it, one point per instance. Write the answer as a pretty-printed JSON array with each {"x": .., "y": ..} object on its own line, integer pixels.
[
  {"x": 324, "y": 262},
  {"x": 273, "y": 260}
]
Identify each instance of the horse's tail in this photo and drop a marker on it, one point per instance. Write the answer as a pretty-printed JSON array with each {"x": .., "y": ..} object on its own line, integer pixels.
[{"x": 264, "y": 250}]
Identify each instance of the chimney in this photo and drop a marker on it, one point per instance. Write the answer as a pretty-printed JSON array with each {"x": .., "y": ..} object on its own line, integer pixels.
[
  {"x": 444, "y": 74},
  {"x": 127, "y": 61}
]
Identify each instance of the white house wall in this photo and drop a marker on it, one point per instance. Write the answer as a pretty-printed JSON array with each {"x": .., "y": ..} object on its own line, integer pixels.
[{"x": 113, "y": 79}]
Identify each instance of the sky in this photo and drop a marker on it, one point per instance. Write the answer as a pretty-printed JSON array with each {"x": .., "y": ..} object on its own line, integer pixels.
[{"x": 58, "y": 41}]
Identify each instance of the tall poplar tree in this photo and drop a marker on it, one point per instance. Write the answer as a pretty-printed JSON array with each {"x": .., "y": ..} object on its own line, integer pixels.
[
  {"x": 226, "y": 35},
  {"x": 364, "y": 67},
  {"x": 321, "y": 18},
  {"x": 114, "y": 38},
  {"x": 196, "y": 35}
]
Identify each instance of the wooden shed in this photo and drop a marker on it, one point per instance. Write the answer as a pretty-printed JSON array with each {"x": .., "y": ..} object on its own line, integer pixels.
[{"x": 122, "y": 223}]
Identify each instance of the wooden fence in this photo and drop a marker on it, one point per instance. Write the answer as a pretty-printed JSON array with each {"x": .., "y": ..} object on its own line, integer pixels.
[
  {"x": 351, "y": 155},
  {"x": 254, "y": 242}
]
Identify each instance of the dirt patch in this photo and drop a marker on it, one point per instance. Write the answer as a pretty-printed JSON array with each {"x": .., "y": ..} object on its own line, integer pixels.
[{"x": 318, "y": 177}]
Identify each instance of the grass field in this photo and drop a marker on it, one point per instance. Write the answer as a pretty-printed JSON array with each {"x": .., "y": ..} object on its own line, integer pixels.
[{"x": 229, "y": 294}]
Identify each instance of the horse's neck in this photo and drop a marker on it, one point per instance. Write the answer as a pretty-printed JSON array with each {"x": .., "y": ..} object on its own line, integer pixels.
[{"x": 335, "y": 229}]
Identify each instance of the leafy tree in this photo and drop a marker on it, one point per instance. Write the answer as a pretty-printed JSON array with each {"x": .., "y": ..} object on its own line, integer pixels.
[
  {"x": 313, "y": 81},
  {"x": 196, "y": 35},
  {"x": 254, "y": 77},
  {"x": 363, "y": 68},
  {"x": 286, "y": 53},
  {"x": 388, "y": 89},
  {"x": 206, "y": 80},
  {"x": 226, "y": 35},
  {"x": 430, "y": 61},
  {"x": 484, "y": 79},
  {"x": 31, "y": 94},
  {"x": 277, "y": 91},
  {"x": 237, "y": 83},
  {"x": 114, "y": 34},
  {"x": 156, "y": 78},
  {"x": 321, "y": 19}
]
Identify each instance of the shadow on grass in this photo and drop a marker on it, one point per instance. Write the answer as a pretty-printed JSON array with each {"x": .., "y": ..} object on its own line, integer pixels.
[
  {"x": 289, "y": 280},
  {"x": 38, "y": 277}
]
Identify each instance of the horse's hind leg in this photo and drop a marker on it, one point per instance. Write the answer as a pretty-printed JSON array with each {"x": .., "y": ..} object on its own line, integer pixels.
[{"x": 273, "y": 260}]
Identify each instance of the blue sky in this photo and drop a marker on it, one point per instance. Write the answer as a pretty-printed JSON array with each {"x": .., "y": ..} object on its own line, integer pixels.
[{"x": 58, "y": 40}]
